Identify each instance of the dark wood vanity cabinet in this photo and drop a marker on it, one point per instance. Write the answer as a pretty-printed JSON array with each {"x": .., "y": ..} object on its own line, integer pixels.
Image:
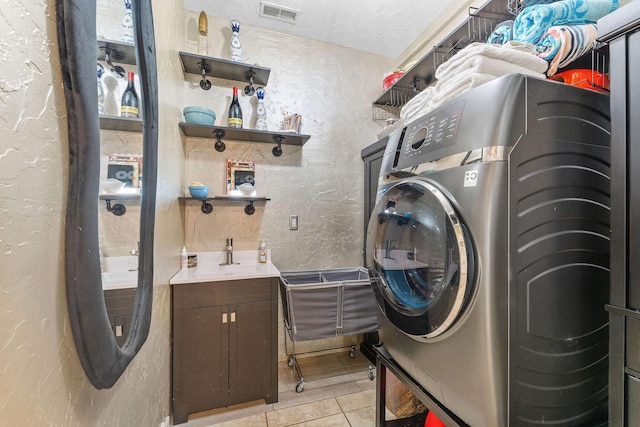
[
  {"x": 119, "y": 303},
  {"x": 224, "y": 344}
]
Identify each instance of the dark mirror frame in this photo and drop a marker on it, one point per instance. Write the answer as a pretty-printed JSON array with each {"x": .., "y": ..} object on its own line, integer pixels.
[{"x": 101, "y": 357}]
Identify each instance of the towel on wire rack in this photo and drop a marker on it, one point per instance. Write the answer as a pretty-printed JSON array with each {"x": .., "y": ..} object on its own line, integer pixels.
[
  {"x": 561, "y": 45},
  {"x": 527, "y": 3},
  {"x": 478, "y": 70},
  {"x": 457, "y": 84},
  {"x": 502, "y": 33},
  {"x": 417, "y": 105},
  {"x": 473, "y": 66},
  {"x": 512, "y": 54},
  {"x": 533, "y": 21}
]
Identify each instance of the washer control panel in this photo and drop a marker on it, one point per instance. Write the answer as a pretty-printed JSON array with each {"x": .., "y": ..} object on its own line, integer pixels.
[{"x": 429, "y": 133}]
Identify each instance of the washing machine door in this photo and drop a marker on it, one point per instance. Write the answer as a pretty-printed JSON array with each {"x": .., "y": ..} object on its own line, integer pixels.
[{"x": 421, "y": 258}]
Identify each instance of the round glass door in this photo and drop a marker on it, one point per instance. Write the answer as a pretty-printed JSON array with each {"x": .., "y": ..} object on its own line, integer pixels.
[{"x": 421, "y": 256}]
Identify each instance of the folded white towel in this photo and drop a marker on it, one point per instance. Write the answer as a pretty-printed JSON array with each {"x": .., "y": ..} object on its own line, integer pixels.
[
  {"x": 485, "y": 65},
  {"x": 516, "y": 53},
  {"x": 457, "y": 85},
  {"x": 474, "y": 65},
  {"x": 417, "y": 104}
]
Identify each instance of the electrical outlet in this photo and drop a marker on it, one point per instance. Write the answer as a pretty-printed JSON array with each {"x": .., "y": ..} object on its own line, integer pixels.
[{"x": 293, "y": 222}]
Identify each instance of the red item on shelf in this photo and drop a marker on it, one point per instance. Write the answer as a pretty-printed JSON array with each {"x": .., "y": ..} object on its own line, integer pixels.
[
  {"x": 391, "y": 78},
  {"x": 584, "y": 78},
  {"x": 433, "y": 421}
]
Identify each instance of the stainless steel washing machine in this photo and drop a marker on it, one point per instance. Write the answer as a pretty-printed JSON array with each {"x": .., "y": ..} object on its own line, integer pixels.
[{"x": 489, "y": 249}]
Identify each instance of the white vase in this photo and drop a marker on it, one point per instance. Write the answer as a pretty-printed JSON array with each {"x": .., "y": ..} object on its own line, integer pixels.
[
  {"x": 126, "y": 32},
  {"x": 100, "y": 90},
  {"x": 261, "y": 111},
  {"x": 236, "y": 47}
]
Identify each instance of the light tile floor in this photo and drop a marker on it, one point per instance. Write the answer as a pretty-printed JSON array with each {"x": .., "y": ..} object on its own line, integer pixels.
[{"x": 337, "y": 393}]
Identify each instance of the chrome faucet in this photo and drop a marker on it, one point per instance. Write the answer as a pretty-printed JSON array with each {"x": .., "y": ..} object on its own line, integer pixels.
[
  {"x": 229, "y": 252},
  {"x": 135, "y": 252}
]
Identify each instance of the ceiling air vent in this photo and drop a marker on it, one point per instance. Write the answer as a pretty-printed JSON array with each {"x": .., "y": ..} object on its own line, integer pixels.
[{"x": 281, "y": 13}]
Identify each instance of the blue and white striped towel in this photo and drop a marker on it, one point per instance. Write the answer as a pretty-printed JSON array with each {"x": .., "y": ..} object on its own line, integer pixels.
[
  {"x": 561, "y": 45},
  {"x": 534, "y": 21}
]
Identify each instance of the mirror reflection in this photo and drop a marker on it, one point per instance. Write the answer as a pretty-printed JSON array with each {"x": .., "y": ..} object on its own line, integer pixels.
[
  {"x": 121, "y": 178},
  {"x": 103, "y": 358}
]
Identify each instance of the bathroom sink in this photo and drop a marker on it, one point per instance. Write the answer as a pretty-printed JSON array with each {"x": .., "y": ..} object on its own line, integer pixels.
[
  {"x": 210, "y": 270},
  {"x": 240, "y": 269},
  {"x": 119, "y": 279}
]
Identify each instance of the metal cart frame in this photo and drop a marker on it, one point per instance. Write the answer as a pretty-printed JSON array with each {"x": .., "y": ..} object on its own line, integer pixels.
[{"x": 320, "y": 304}]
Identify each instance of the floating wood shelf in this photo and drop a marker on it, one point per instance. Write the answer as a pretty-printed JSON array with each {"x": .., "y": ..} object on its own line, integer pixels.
[
  {"x": 120, "y": 52},
  {"x": 207, "y": 207},
  {"x": 224, "y": 69},
  {"x": 203, "y": 131},
  {"x": 124, "y": 124}
]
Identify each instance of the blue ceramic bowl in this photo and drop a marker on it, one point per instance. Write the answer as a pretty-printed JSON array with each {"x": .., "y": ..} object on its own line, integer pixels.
[
  {"x": 199, "y": 191},
  {"x": 199, "y": 116}
]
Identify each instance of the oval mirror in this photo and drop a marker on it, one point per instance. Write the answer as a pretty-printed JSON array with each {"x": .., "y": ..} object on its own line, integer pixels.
[{"x": 102, "y": 359}]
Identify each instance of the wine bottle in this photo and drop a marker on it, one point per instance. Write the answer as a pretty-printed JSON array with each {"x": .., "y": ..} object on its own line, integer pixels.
[
  {"x": 129, "y": 103},
  {"x": 235, "y": 112}
]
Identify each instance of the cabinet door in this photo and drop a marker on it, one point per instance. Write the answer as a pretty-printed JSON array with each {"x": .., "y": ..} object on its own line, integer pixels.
[
  {"x": 372, "y": 157},
  {"x": 119, "y": 304},
  {"x": 121, "y": 326},
  {"x": 252, "y": 362},
  {"x": 204, "y": 354}
]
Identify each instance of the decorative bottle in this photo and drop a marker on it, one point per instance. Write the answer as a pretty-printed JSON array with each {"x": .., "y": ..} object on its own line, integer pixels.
[
  {"x": 262, "y": 253},
  {"x": 236, "y": 47},
  {"x": 235, "y": 112},
  {"x": 261, "y": 111},
  {"x": 129, "y": 103},
  {"x": 184, "y": 259},
  {"x": 100, "y": 90},
  {"x": 203, "y": 29},
  {"x": 126, "y": 33}
]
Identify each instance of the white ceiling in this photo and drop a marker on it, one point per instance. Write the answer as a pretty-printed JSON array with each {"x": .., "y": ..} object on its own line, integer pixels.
[{"x": 383, "y": 27}]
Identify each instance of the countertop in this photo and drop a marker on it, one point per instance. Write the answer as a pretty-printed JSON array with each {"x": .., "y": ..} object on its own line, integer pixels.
[{"x": 245, "y": 266}]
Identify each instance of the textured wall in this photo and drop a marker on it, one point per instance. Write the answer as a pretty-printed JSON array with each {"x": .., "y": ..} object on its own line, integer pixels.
[
  {"x": 41, "y": 380},
  {"x": 321, "y": 182}
]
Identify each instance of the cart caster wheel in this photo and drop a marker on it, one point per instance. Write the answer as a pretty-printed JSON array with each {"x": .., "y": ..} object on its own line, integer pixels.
[
  {"x": 299, "y": 387},
  {"x": 291, "y": 362},
  {"x": 372, "y": 375},
  {"x": 352, "y": 353}
]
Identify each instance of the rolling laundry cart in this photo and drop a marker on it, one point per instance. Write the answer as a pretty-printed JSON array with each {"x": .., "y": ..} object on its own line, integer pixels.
[{"x": 322, "y": 304}]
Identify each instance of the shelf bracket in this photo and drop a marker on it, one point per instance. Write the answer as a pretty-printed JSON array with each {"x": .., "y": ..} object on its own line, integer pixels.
[
  {"x": 107, "y": 58},
  {"x": 204, "y": 83},
  {"x": 277, "y": 151},
  {"x": 219, "y": 145},
  {"x": 415, "y": 85},
  {"x": 249, "y": 90},
  {"x": 250, "y": 209},
  {"x": 118, "y": 209},
  {"x": 206, "y": 207},
  {"x": 249, "y": 75}
]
